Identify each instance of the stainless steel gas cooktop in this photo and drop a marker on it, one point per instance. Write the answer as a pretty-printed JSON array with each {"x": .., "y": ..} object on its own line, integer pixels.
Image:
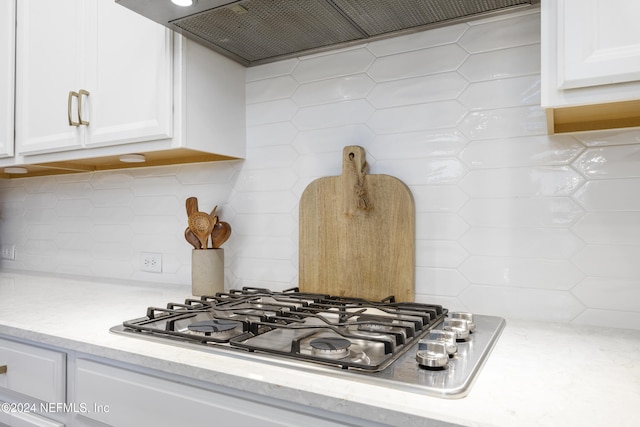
[{"x": 411, "y": 346}]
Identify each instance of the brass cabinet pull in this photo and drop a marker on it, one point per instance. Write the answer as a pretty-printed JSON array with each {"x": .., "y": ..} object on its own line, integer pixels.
[
  {"x": 3, "y": 369},
  {"x": 72, "y": 95},
  {"x": 82, "y": 92}
]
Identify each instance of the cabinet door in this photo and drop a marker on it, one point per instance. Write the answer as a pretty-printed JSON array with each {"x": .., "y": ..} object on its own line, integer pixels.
[
  {"x": 33, "y": 371},
  {"x": 119, "y": 397},
  {"x": 122, "y": 61},
  {"x": 598, "y": 42},
  {"x": 7, "y": 61},
  {"x": 49, "y": 51},
  {"x": 129, "y": 77},
  {"x": 26, "y": 419}
]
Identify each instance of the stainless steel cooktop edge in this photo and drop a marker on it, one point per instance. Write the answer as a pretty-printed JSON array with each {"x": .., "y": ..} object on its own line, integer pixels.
[{"x": 404, "y": 374}]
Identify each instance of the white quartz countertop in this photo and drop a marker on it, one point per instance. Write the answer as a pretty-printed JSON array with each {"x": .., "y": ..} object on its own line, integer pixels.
[{"x": 539, "y": 374}]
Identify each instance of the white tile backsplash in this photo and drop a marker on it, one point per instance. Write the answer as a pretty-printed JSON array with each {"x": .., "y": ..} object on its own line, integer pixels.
[
  {"x": 535, "y": 304},
  {"x": 333, "y": 90},
  {"x": 621, "y": 161},
  {"x": 609, "y": 293},
  {"x": 333, "y": 115},
  {"x": 523, "y": 151},
  {"x": 521, "y": 182},
  {"x": 609, "y": 137},
  {"x": 521, "y": 272},
  {"x": 440, "y": 36},
  {"x": 509, "y": 221},
  {"x": 609, "y": 195},
  {"x": 504, "y": 123},
  {"x": 521, "y": 212},
  {"x": 512, "y": 92},
  {"x": 417, "y": 117},
  {"x": 339, "y": 63},
  {"x": 437, "y": 170},
  {"x": 438, "y": 198},
  {"x": 539, "y": 243},
  {"x": 609, "y": 228},
  {"x": 417, "y": 90},
  {"x": 501, "y": 64},
  {"x": 493, "y": 34},
  {"x": 403, "y": 64}
]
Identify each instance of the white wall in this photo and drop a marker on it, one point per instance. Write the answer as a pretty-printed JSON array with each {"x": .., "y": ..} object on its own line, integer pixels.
[{"x": 510, "y": 221}]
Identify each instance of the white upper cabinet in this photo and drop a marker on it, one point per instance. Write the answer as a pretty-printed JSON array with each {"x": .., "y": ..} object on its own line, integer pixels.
[
  {"x": 590, "y": 63},
  {"x": 95, "y": 81},
  {"x": 7, "y": 61},
  {"x": 598, "y": 44},
  {"x": 89, "y": 73},
  {"x": 130, "y": 75}
]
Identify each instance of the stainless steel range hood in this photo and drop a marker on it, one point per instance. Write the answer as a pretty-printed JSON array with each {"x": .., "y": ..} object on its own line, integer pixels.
[{"x": 255, "y": 32}]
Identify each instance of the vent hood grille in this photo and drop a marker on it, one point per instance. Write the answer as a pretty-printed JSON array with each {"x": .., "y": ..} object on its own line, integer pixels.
[
  {"x": 266, "y": 29},
  {"x": 254, "y": 32}
]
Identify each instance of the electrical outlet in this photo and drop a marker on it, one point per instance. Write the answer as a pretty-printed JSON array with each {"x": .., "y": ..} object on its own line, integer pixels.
[
  {"x": 9, "y": 252},
  {"x": 151, "y": 262}
]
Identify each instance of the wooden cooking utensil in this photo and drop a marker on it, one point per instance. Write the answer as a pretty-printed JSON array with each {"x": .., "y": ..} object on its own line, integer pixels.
[
  {"x": 191, "y": 205},
  {"x": 201, "y": 224},
  {"x": 220, "y": 234},
  {"x": 357, "y": 234},
  {"x": 192, "y": 238}
]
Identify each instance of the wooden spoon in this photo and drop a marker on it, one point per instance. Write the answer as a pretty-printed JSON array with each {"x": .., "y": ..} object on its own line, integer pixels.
[
  {"x": 220, "y": 234},
  {"x": 192, "y": 238},
  {"x": 192, "y": 205},
  {"x": 201, "y": 225}
]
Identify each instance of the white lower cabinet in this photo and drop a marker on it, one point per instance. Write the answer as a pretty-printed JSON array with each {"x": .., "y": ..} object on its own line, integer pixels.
[
  {"x": 117, "y": 396},
  {"x": 31, "y": 378},
  {"x": 33, "y": 371},
  {"x": 24, "y": 419},
  {"x": 42, "y": 386}
]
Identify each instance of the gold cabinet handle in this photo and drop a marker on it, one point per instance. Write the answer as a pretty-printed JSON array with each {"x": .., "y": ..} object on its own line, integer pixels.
[
  {"x": 72, "y": 95},
  {"x": 3, "y": 369},
  {"x": 82, "y": 92}
]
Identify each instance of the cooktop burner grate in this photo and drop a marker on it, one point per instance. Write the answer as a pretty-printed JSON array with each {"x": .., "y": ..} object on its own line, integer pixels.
[
  {"x": 381, "y": 341},
  {"x": 288, "y": 323}
]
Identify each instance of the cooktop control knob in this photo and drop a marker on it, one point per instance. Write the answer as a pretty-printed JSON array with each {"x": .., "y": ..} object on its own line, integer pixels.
[
  {"x": 465, "y": 316},
  {"x": 459, "y": 326},
  {"x": 432, "y": 355},
  {"x": 446, "y": 337}
]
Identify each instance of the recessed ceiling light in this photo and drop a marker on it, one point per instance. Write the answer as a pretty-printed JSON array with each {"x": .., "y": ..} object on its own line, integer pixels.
[
  {"x": 183, "y": 3},
  {"x": 15, "y": 170},
  {"x": 132, "y": 158}
]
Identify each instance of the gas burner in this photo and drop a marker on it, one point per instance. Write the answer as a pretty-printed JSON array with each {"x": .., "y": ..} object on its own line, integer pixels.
[
  {"x": 331, "y": 347},
  {"x": 370, "y": 324},
  {"x": 213, "y": 327},
  {"x": 375, "y": 327}
]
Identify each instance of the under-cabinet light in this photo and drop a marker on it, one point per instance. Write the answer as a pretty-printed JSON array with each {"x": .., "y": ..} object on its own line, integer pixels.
[
  {"x": 184, "y": 3},
  {"x": 132, "y": 158},
  {"x": 15, "y": 170}
]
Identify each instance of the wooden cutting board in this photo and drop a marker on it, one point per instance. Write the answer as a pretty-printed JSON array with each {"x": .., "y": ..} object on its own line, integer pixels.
[{"x": 357, "y": 234}]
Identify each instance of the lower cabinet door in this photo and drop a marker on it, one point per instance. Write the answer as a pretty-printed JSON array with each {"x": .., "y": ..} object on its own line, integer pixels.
[
  {"x": 33, "y": 371},
  {"x": 121, "y": 397},
  {"x": 20, "y": 418}
]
